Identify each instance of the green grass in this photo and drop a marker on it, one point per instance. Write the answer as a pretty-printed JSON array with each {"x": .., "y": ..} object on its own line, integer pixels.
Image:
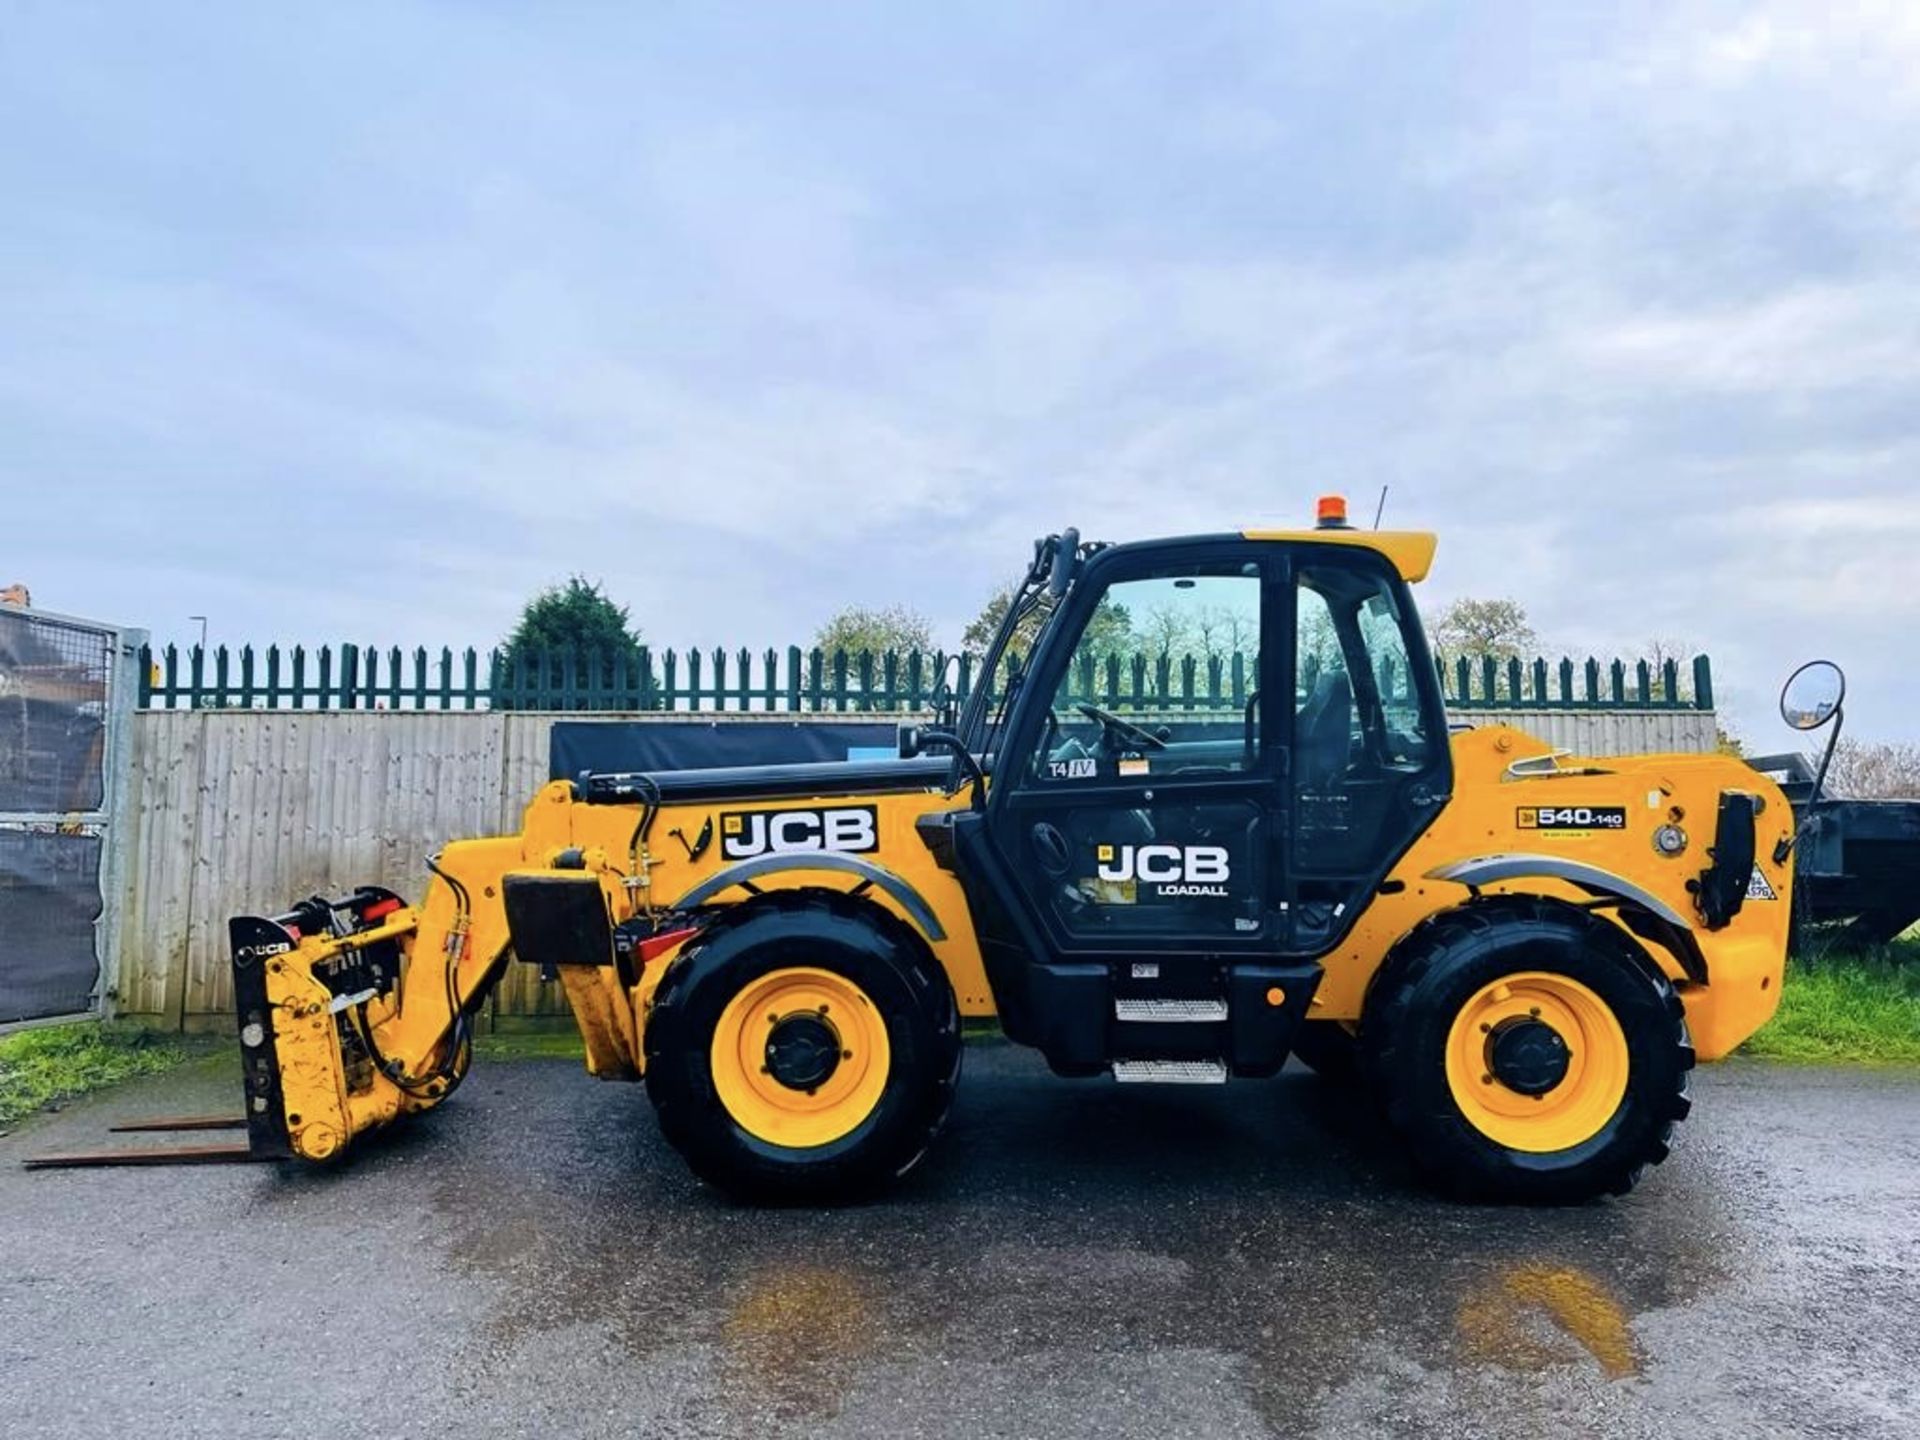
[
  {"x": 530, "y": 1041},
  {"x": 38, "y": 1067},
  {"x": 1848, "y": 1007}
]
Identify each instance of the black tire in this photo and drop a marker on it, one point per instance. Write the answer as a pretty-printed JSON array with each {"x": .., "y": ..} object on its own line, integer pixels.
[
  {"x": 1450, "y": 959},
  {"x": 1329, "y": 1049},
  {"x": 875, "y": 952}
]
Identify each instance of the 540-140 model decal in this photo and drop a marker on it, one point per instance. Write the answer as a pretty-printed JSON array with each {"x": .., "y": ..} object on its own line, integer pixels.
[{"x": 1570, "y": 818}]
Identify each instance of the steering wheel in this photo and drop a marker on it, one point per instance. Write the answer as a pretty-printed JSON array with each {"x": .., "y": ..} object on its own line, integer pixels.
[{"x": 1123, "y": 729}]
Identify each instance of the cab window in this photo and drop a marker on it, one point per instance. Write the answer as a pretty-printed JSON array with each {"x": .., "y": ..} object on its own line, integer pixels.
[
  {"x": 1362, "y": 740},
  {"x": 1162, "y": 681}
]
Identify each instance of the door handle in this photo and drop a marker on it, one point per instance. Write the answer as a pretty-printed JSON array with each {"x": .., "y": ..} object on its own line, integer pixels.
[{"x": 1051, "y": 849}]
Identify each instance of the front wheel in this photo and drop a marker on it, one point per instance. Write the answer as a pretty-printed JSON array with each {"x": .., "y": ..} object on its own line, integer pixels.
[
  {"x": 804, "y": 1051},
  {"x": 1528, "y": 1050}
]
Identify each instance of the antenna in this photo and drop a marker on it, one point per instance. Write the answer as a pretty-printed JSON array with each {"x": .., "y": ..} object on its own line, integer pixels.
[{"x": 1381, "y": 508}]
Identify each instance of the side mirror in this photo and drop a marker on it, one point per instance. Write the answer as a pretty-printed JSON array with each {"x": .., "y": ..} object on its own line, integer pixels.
[
  {"x": 1813, "y": 695},
  {"x": 1066, "y": 549}
]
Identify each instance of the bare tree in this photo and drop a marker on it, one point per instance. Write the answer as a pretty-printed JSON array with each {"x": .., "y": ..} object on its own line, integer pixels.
[
  {"x": 1471, "y": 627},
  {"x": 1869, "y": 770}
]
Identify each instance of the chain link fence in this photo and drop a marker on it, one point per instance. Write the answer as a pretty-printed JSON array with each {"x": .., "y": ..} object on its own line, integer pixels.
[{"x": 64, "y": 693}]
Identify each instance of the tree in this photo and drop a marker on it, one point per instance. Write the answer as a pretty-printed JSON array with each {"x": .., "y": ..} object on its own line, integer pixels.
[
  {"x": 575, "y": 615},
  {"x": 1475, "y": 628},
  {"x": 858, "y": 628},
  {"x": 1865, "y": 770},
  {"x": 1110, "y": 630},
  {"x": 575, "y": 618}
]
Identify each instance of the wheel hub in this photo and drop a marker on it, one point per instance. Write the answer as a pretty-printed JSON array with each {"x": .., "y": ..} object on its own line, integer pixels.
[
  {"x": 1527, "y": 1055},
  {"x": 803, "y": 1050}
]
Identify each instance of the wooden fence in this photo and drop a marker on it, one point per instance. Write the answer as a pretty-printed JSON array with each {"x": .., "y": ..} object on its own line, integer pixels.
[
  {"x": 817, "y": 681},
  {"x": 237, "y": 811}
]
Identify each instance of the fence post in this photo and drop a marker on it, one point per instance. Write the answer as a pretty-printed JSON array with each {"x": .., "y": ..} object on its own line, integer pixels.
[{"x": 1702, "y": 683}]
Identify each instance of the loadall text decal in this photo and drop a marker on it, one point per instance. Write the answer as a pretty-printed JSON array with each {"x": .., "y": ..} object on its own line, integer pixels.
[
  {"x": 847, "y": 829},
  {"x": 1572, "y": 817},
  {"x": 1171, "y": 869}
]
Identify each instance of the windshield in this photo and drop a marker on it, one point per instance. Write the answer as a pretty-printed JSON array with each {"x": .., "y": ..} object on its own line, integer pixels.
[{"x": 1029, "y": 613}]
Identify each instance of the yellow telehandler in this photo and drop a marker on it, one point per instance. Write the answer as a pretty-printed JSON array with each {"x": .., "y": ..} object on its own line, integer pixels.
[{"x": 1521, "y": 953}]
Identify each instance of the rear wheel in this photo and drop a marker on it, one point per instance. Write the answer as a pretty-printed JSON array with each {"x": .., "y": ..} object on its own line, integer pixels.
[
  {"x": 805, "y": 1051},
  {"x": 1528, "y": 1050}
]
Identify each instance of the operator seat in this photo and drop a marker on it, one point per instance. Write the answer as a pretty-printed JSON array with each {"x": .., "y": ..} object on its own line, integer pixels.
[{"x": 1323, "y": 733}]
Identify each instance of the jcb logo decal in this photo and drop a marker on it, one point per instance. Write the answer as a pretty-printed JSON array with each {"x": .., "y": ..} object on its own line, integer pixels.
[
  {"x": 1174, "y": 869},
  {"x": 852, "y": 829}
]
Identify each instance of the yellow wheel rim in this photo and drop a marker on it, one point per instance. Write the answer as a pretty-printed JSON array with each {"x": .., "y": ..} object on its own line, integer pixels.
[
  {"x": 1518, "y": 1107},
  {"x": 800, "y": 1057}
]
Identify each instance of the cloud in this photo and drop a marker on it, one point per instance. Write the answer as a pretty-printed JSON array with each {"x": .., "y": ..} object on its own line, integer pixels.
[{"x": 320, "y": 338}]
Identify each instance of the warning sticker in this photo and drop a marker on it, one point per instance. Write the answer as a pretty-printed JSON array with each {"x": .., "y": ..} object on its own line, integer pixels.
[{"x": 1758, "y": 888}]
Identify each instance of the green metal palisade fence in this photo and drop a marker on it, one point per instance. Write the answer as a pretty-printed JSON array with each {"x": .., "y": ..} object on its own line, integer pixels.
[{"x": 353, "y": 677}]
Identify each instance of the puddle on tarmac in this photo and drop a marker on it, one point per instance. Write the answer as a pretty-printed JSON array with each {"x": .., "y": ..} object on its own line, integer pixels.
[{"x": 1064, "y": 1220}]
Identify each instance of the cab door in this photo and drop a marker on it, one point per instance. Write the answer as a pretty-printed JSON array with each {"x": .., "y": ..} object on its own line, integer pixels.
[
  {"x": 1138, "y": 799},
  {"x": 1371, "y": 761}
]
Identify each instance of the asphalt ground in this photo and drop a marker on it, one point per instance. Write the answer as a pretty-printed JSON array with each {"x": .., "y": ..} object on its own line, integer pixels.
[{"x": 1074, "y": 1259}]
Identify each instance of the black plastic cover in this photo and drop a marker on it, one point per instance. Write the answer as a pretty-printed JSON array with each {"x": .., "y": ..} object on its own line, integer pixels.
[
  {"x": 1721, "y": 890},
  {"x": 558, "y": 919}
]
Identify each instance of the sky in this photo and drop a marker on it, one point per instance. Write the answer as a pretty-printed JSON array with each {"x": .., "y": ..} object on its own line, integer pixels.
[{"x": 363, "y": 322}]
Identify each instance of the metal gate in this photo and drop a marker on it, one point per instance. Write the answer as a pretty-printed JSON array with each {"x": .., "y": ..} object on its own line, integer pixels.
[{"x": 67, "y": 688}]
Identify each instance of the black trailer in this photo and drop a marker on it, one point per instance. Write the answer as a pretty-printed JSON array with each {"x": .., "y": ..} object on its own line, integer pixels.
[{"x": 1859, "y": 861}]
